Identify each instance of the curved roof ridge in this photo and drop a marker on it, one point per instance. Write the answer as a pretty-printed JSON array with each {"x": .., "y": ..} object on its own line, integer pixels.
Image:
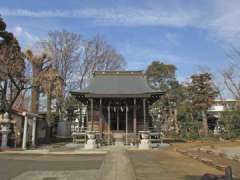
[{"x": 117, "y": 73}]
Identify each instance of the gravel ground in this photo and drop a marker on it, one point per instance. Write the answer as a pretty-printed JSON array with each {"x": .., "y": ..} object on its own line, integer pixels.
[
  {"x": 44, "y": 167},
  {"x": 167, "y": 165}
]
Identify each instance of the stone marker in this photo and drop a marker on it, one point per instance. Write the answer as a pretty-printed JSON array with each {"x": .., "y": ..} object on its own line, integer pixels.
[{"x": 228, "y": 173}]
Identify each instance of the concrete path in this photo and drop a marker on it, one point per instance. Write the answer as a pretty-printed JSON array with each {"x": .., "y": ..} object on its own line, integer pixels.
[
  {"x": 47, "y": 152},
  {"x": 117, "y": 166}
]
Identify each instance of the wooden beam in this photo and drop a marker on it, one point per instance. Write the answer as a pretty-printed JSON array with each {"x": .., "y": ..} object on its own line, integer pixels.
[
  {"x": 101, "y": 115},
  {"x": 126, "y": 125},
  {"x": 109, "y": 123},
  {"x": 134, "y": 117},
  {"x": 91, "y": 114},
  {"x": 87, "y": 117},
  {"x": 144, "y": 114},
  {"x": 117, "y": 118}
]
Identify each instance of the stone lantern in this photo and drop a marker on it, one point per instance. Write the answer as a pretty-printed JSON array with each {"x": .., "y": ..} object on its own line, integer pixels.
[
  {"x": 91, "y": 142},
  {"x": 145, "y": 142},
  {"x": 5, "y": 129}
]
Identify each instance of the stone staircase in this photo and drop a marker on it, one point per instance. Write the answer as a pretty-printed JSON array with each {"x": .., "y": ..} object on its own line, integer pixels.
[{"x": 118, "y": 136}]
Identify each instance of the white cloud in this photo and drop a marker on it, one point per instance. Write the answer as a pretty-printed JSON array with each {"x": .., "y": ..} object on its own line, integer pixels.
[
  {"x": 226, "y": 21},
  {"x": 172, "y": 38},
  {"x": 143, "y": 52},
  {"x": 21, "y": 34},
  {"x": 18, "y": 31},
  {"x": 117, "y": 16},
  {"x": 30, "y": 13},
  {"x": 31, "y": 37},
  {"x": 221, "y": 17}
]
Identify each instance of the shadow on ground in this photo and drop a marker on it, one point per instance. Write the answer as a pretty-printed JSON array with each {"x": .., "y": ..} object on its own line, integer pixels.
[{"x": 199, "y": 178}]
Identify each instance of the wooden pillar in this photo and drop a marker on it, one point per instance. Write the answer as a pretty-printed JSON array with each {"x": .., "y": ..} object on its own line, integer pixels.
[
  {"x": 87, "y": 117},
  {"x": 24, "y": 141},
  {"x": 126, "y": 125},
  {"x": 34, "y": 132},
  {"x": 101, "y": 116},
  {"x": 109, "y": 123},
  {"x": 134, "y": 117},
  {"x": 80, "y": 117},
  {"x": 144, "y": 114},
  {"x": 91, "y": 114},
  {"x": 117, "y": 119}
]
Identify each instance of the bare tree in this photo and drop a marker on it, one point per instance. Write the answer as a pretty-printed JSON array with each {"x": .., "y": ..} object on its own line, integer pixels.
[
  {"x": 39, "y": 62},
  {"x": 52, "y": 85},
  {"x": 231, "y": 80},
  {"x": 97, "y": 55},
  {"x": 64, "y": 49}
]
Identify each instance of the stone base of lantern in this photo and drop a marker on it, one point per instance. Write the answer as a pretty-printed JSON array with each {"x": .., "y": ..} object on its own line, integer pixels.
[
  {"x": 91, "y": 144},
  {"x": 4, "y": 130},
  {"x": 144, "y": 144}
]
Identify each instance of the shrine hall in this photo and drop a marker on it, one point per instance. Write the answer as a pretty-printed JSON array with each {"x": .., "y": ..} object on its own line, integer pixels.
[{"x": 118, "y": 102}]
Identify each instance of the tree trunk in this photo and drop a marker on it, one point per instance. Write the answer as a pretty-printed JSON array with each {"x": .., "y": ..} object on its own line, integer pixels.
[
  {"x": 176, "y": 125},
  {"x": 4, "y": 104},
  {"x": 35, "y": 100},
  {"x": 205, "y": 123},
  {"x": 35, "y": 89},
  {"x": 48, "y": 117}
]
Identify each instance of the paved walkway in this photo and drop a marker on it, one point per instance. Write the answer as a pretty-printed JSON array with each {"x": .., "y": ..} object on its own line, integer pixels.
[{"x": 117, "y": 165}]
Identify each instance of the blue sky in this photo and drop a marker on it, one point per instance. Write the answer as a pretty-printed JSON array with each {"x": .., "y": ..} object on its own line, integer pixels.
[{"x": 188, "y": 33}]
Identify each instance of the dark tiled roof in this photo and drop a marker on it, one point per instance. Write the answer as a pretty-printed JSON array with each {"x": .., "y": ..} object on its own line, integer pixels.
[{"x": 118, "y": 83}]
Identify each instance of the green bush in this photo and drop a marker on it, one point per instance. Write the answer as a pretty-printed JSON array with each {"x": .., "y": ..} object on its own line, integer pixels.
[
  {"x": 231, "y": 124},
  {"x": 189, "y": 129}
]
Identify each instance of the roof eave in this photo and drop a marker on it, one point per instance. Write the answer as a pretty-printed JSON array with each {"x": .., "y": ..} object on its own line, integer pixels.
[{"x": 127, "y": 95}]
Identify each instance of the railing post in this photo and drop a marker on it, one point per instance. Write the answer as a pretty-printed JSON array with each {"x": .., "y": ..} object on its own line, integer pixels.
[{"x": 34, "y": 131}]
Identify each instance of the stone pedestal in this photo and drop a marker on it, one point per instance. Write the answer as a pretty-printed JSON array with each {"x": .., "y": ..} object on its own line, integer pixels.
[
  {"x": 91, "y": 142},
  {"x": 145, "y": 142},
  {"x": 4, "y": 131}
]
